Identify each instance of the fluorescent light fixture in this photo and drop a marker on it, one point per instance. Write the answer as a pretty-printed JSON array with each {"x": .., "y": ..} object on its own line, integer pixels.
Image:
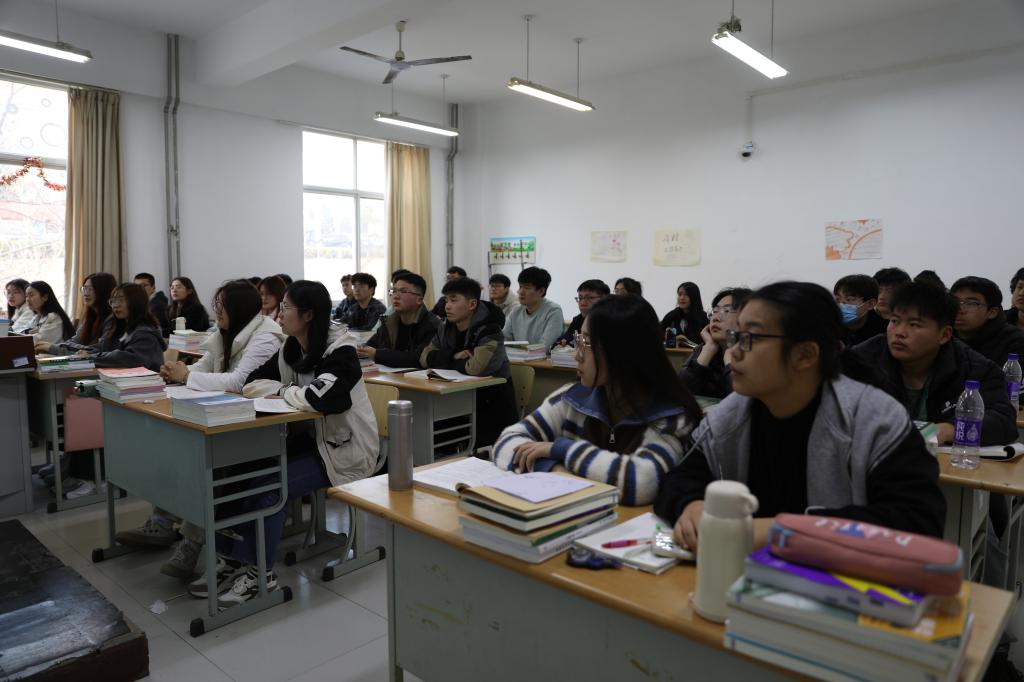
[
  {"x": 394, "y": 119},
  {"x": 58, "y": 49},
  {"x": 739, "y": 49},
  {"x": 539, "y": 91}
]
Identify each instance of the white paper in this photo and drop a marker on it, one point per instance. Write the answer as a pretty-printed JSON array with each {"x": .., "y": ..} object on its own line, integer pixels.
[
  {"x": 470, "y": 470},
  {"x": 186, "y": 392},
  {"x": 640, "y": 527},
  {"x": 273, "y": 406},
  {"x": 384, "y": 369},
  {"x": 539, "y": 486},
  {"x": 449, "y": 375},
  {"x": 993, "y": 451}
]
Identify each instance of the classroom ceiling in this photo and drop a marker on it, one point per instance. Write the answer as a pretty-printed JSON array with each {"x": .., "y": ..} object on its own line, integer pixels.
[{"x": 619, "y": 37}]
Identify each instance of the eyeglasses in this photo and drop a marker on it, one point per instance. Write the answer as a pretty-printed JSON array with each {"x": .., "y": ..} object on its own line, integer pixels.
[
  {"x": 586, "y": 299},
  {"x": 403, "y": 292},
  {"x": 723, "y": 310},
  {"x": 218, "y": 306},
  {"x": 288, "y": 306},
  {"x": 117, "y": 300},
  {"x": 745, "y": 340},
  {"x": 970, "y": 304},
  {"x": 581, "y": 342},
  {"x": 87, "y": 290}
]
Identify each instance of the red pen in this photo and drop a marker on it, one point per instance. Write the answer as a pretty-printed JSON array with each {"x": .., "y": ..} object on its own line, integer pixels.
[{"x": 615, "y": 544}]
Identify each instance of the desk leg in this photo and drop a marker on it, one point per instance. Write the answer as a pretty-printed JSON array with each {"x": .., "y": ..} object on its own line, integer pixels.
[
  {"x": 395, "y": 673},
  {"x": 112, "y": 549},
  {"x": 53, "y": 392},
  {"x": 343, "y": 565}
]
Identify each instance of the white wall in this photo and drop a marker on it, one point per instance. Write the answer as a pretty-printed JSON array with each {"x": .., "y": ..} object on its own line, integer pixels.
[
  {"x": 933, "y": 152},
  {"x": 240, "y": 179}
]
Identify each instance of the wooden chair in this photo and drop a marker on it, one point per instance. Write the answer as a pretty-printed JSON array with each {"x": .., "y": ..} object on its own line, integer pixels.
[
  {"x": 171, "y": 355},
  {"x": 522, "y": 382},
  {"x": 380, "y": 396}
]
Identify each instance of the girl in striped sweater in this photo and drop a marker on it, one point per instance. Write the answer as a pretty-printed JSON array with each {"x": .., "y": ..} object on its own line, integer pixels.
[{"x": 625, "y": 420}]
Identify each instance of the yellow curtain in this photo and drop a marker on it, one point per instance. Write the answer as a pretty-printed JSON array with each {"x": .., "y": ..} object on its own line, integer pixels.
[
  {"x": 94, "y": 226},
  {"x": 409, "y": 211}
]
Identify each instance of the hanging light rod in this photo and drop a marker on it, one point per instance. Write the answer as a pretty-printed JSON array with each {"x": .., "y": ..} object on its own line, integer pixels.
[
  {"x": 528, "y": 87},
  {"x": 726, "y": 39},
  {"x": 395, "y": 119},
  {"x": 61, "y": 50}
]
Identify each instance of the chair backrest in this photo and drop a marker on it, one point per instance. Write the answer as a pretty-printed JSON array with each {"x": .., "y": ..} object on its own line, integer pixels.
[
  {"x": 379, "y": 398},
  {"x": 522, "y": 382},
  {"x": 171, "y": 355},
  {"x": 83, "y": 423}
]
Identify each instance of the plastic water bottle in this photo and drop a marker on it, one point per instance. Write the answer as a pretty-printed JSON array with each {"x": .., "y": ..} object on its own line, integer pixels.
[
  {"x": 970, "y": 411},
  {"x": 1013, "y": 374},
  {"x": 670, "y": 338},
  {"x": 400, "y": 455}
]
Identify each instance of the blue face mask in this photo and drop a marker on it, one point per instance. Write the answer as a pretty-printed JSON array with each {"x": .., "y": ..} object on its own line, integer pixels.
[{"x": 849, "y": 313}]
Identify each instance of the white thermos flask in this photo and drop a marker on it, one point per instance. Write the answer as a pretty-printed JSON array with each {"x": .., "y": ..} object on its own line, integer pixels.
[
  {"x": 400, "y": 457},
  {"x": 725, "y": 536}
]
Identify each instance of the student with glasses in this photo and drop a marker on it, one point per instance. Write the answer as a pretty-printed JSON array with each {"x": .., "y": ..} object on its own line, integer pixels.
[
  {"x": 406, "y": 331},
  {"x": 800, "y": 432},
  {"x": 706, "y": 372},
  {"x": 587, "y": 294},
  {"x": 96, "y": 319},
  {"x": 134, "y": 340},
  {"x": 624, "y": 421},
  {"x": 980, "y": 322}
]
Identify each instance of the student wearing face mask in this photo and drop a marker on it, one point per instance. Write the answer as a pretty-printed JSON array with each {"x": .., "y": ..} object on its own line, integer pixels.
[
  {"x": 706, "y": 372},
  {"x": 800, "y": 432},
  {"x": 625, "y": 420},
  {"x": 857, "y": 296}
]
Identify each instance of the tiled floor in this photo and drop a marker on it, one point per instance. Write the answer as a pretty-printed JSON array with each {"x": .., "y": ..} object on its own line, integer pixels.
[{"x": 329, "y": 631}]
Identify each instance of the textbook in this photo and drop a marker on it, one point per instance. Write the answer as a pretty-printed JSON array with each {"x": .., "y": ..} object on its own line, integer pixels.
[
  {"x": 130, "y": 384},
  {"x": 467, "y": 471},
  {"x": 522, "y": 351},
  {"x": 902, "y": 607},
  {"x": 935, "y": 642},
  {"x": 563, "y": 356},
  {"x": 64, "y": 363},
  {"x": 539, "y": 545},
  {"x": 520, "y": 514},
  {"x": 635, "y": 556},
  {"x": 187, "y": 340},
  {"x": 214, "y": 410}
]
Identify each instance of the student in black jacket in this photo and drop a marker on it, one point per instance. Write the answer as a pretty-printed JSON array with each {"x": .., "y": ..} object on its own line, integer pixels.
[
  {"x": 363, "y": 315},
  {"x": 688, "y": 317},
  {"x": 587, "y": 294},
  {"x": 925, "y": 367},
  {"x": 706, "y": 372},
  {"x": 980, "y": 322},
  {"x": 1015, "y": 313},
  {"x": 185, "y": 303},
  {"x": 158, "y": 303},
  {"x": 404, "y": 333},
  {"x": 453, "y": 273},
  {"x": 857, "y": 296}
]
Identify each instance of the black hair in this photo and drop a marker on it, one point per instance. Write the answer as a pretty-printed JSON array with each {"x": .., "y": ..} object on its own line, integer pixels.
[
  {"x": 807, "y": 312},
  {"x": 631, "y": 286},
  {"x": 463, "y": 286},
  {"x": 739, "y": 296},
  {"x": 988, "y": 289},
  {"x": 177, "y": 308},
  {"x": 242, "y": 302},
  {"x": 365, "y": 278},
  {"x": 146, "y": 276},
  {"x": 891, "y": 276},
  {"x": 1016, "y": 279},
  {"x": 103, "y": 285},
  {"x": 273, "y": 285},
  {"x": 931, "y": 277},
  {"x": 625, "y": 335},
  {"x": 930, "y": 302},
  {"x": 595, "y": 285},
  {"x": 19, "y": 284},
  {"x": 456, "y": 270},
  {"x": 346, "y": 278},
  {"x": 695, "y": 317},
  {"x": 862, "y": 286},
  {"x": 539, "y": 278},
  {"x": 287, "y": 279},
  {"x": 52, "y": 305},
  {"x": 136, "y": 301},
  {"x": 397, "y": 274},
  {"x": 415, "y": 280},
  {"x": 503, "y": 280},
  {"x": 314, "y": 297},
  {"x": 255, "y": 281}
]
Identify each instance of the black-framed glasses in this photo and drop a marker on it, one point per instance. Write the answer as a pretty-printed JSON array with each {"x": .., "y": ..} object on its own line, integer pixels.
[
  {"x": 745, "y": 340},
  {"x": 588, "y": 299},
  {"x": 970, "y": 304},
  {"x": 403, "y": 292}
]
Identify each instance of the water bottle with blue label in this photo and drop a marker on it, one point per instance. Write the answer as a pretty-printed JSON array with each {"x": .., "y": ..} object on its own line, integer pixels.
[
  {"x": 1013, "y": 373},
  {"x": 970, "y": 412}
]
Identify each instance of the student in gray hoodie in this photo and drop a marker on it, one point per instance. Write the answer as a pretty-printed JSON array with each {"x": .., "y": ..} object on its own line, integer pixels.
[{"x": 804, "y": 436}]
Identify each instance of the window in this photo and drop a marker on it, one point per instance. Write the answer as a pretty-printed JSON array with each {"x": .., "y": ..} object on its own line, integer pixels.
[
  {"x": 345, "y": 222},
  {"x": 33, "y": 125}
]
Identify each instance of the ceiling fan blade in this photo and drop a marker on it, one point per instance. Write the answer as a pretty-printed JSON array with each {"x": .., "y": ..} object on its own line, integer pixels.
[
  {"x": 386, "y": 60},
  {"x": 392, "y": 75},
  {"x": 437, "y": 60}
]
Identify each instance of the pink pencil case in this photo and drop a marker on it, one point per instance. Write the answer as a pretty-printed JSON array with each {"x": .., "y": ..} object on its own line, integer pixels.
[{"x": 862, "y": 550}]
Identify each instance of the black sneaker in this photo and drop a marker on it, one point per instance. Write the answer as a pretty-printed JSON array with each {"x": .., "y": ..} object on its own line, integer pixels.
[
  {"x": 246, "y": 587},
  {"x": 227, "y": 571}
]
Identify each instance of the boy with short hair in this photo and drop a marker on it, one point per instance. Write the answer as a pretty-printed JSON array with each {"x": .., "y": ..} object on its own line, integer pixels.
[
  {"x": 347, "y": 299},
  {"x": 926, "y": 367},
  {"x": 980, "y": 321},
  {"x": 405, "y": 332},
  {"x": 537, "y": 319},
  {"x": 452, "y": 273},
  {"x": 364, "y": 313},
  {"x": 857, "y": 296},
  {"x": 587, "y": 294},
  {"x": 499, "y": 286},
  {"x": 888, "y": 280},
  {"x": 157, "y": 301},
  {"x": 470, "y": 341}
]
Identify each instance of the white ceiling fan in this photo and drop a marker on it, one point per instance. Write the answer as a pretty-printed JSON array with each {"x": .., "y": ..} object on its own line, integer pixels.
[{"x": 399, "y": 63}]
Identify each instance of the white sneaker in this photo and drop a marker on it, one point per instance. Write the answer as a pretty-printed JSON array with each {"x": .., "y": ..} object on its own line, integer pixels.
[
  {"x": 227, "y": 571},
  {"x": 245, "y": 588},
  {"x": 87, "y": 488}
]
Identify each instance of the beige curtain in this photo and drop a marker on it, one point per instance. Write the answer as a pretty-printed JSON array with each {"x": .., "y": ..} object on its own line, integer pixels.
[
  {"x": 94, "y": 225},
  {"x": 409, "y": 211}
]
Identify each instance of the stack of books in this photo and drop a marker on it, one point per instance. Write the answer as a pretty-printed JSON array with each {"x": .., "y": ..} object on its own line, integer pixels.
[
  {"x": 834, "y": 627},
  {"x": 522, "y": 351},
  {"x": 215, "y": 410},
  {"x": 130, "y": 385},
  {"x": 563, "y": 356},
  {"x": 187, "y": 340},
  {"x": 511, "y": 523},
  {"x": 65, "y": 363}
]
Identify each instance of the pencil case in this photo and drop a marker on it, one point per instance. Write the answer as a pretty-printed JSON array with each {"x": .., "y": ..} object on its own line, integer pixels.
[{"x": 862, "y": 550}]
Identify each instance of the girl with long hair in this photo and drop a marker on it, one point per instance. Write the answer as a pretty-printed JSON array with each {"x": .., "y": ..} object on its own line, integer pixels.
[
  {"x": 134, "y": 340},
  {"x": 688, "y": 317},
  {"x": 185, "y": 303},
  {"x": 18, "y": 312},
  {"x": 96, "y": 319},
  {"x": 50, "y": 324}
]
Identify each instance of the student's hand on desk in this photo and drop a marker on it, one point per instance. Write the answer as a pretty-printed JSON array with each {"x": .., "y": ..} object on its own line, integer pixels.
[
  {"x": 685, "y": 530},
  {"x": 42, "y": 347},
  {"x": 527, "y": 453},
  {"x": 945, "y": 433},
  {"x": 83, "y": 353},
  {"x": 174, "y": 372},
  {"x": 366, "y": 352},
  {"x": 463, "y": 355}
]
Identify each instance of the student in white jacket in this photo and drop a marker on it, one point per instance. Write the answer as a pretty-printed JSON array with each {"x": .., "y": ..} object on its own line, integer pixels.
[
  {"x": 317, "y": 370},
  {"x": 252, "y": 339},
  {"x": 18, "y": 312},
  {"x": 50, "y": 324}
]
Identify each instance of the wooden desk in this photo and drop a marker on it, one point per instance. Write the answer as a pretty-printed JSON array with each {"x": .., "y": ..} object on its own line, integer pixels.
[
  {"x": 451, "y": 402},
  {"x": 1020, "y": 420},
  {"x": 460, "y": 612},
  {"x": 46, "y": 400},
  {"x": 181, "y": 467},
  {"x": 678, "y": 356}
]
